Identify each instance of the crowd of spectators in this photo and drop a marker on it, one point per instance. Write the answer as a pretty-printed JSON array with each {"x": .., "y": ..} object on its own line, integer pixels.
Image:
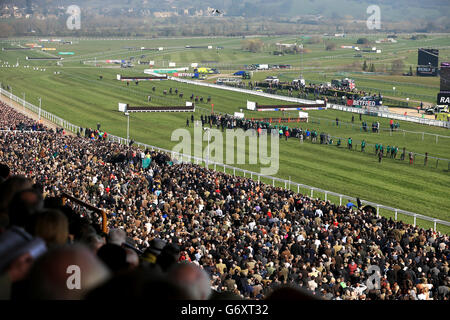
[
  {"x": 13, "y": 120},
  {"x": 181, "y": 231},
  {"x": 334, "y": 94}
]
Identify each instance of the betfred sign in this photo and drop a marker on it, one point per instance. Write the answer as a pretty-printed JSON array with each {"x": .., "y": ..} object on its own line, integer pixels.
[
  {"x": 426, "y": 71},
  {"x": 361, "y": 103},
  {"x": 443, "y": 98}
]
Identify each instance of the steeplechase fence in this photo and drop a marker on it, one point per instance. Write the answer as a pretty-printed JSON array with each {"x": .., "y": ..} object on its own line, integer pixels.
[{"x": 408, "y": 216}]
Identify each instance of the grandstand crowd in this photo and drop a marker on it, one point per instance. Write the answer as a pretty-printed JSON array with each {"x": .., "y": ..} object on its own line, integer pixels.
[{"x": 181, "y": 231}]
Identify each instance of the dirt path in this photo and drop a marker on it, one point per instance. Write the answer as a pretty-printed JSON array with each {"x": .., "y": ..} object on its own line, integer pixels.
[
  {"x": 425, "y": 104},
  {"x": 19, "y": 108},
  {"x": 222, "y": 75},
  {"x": 410, "y": 112}
]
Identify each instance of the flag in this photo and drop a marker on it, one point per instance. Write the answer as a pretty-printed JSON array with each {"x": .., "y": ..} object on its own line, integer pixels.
[{"x": 146, "y": 162}]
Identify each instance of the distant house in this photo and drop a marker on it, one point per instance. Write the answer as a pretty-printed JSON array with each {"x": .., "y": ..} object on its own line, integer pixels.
[
  {"x": 164, "y": 14},
  {"x": 286, "y": 45}
]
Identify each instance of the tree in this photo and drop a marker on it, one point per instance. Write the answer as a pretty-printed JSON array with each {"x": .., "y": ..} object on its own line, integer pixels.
[
  {"x": 362, "y": 41},
  {"x": 330, "y": 46},
  {"x": 397, "y": 66},
  {"x": 372, "y": 68},
  {"x": 314, "y": 40},
  {"x": 410, "y": 71},
  {"x": 364, "y": 67},
  {"x": 252, "y": 45}
]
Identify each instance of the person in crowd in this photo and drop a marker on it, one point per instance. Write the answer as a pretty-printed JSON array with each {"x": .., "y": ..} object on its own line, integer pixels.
[
  {"x": 193, "y": 279},
  {"x": 48, "y": 279},
  {"x": 53, "y": 227},
  {"x": 220, "y": 232}
]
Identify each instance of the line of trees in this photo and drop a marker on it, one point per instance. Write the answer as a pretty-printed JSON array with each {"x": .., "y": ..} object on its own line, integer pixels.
[
  {"x": 366, "y": 67},
  {"x": 252, "y": 45},
  {"x": 93, "y": 24}
]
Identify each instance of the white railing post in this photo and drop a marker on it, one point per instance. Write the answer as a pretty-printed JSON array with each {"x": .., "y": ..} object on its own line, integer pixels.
[
  {"x": 312, "y": 192},
  {"x": 326, "y": 196},
  {"x": 435, "y": 225},
  {"x": 273, "y": 182},
  {"x": 415, "y": 216},
  {"x": 340, "y": 200},
  {"x": 396, "y": 211}
]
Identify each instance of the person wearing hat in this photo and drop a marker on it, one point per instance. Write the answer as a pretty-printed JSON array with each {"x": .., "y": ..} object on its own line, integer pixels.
[{"x": 153, "y": 251}]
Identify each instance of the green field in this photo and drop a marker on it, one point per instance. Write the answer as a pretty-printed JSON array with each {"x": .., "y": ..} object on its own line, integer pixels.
[{"x": 78, "y": 96}]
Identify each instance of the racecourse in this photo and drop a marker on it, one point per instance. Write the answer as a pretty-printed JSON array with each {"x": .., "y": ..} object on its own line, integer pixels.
[{"x": 77, "y": 94}]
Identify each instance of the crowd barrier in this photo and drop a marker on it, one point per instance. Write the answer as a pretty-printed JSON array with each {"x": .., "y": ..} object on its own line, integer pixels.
[
  {"x": 65, "y": 196},
  {"x": 246, "y": 173},
  {"x": 287, "y": 183}
]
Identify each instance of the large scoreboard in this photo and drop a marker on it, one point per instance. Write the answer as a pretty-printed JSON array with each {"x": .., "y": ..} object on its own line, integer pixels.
[
  {"x": 428, "y": 62},
  {"x": 443, "y": 98},
  {"x": 445, "y": 77}
]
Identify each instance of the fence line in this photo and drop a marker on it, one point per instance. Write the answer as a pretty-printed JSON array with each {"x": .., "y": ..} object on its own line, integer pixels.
[
  {"x": 254, "y": 175},
  {"x": 382, "y": 129},
  {"x": 369, "y": 111},
  {"x": 199, "y": 161},
  {"x": 394, "y": 116}
]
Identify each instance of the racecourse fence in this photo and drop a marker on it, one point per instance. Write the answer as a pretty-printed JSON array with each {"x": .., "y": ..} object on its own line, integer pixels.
[{"x": 287, "y": 184}]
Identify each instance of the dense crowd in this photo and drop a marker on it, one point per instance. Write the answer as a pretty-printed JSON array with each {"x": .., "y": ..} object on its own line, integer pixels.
[
  {"x": 12, "y": 120},
  {"x": 182, "y": 231},
  {"x": 335, "y": 94}
]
